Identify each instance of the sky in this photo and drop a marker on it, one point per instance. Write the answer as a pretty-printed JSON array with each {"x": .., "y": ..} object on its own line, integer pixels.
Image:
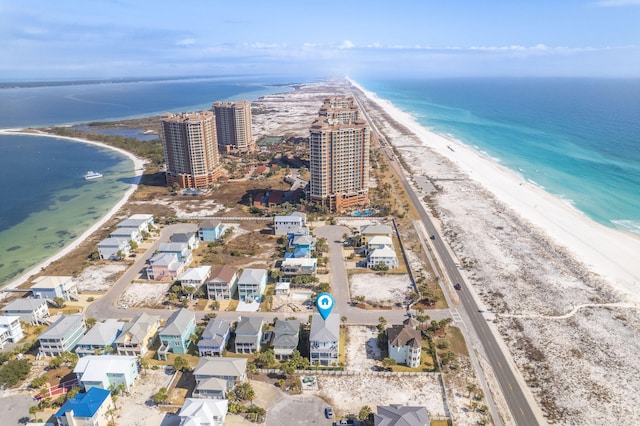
[{"x": 72, "y": 39}]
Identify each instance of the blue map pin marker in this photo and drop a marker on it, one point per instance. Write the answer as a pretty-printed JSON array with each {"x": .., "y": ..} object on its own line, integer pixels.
[{"x": 324, "y": 303}]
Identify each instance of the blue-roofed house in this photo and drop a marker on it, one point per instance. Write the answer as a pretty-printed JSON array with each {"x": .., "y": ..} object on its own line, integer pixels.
[
  {"x": 174, "y": 336},
  {"x": 210, "y": 230},
  {"x": 302, "y": 245},
  {"x": 214, "y": 337},
  {"x": 91, "y": 408}
]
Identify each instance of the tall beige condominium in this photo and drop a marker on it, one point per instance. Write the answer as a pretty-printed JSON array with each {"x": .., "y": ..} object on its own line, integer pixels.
[
  {"x": 233, "y": 126},
  {"x": 339, "y": 156},
  {"x": 190, "y": 149}
]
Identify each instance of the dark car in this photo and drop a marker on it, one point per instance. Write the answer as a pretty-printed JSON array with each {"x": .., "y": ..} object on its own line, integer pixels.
[
  {"x": 328, "y": 412},
  {"x": 457, "y": 286},
  {"x": 433, "y": 237}
]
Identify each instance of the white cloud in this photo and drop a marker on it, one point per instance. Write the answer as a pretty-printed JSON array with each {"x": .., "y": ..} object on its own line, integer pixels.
[
  {"x": 186, "y": 42},
  {"x": 347, "y": 44}
]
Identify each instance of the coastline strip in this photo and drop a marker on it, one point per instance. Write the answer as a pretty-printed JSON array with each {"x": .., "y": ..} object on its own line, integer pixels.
[{"x": 138, "y": 165}]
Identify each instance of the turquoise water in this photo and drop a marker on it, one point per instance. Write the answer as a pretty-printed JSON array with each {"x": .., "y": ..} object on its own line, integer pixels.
[
  {"x": 579, "y": 139},
  {"x": 46, "y": 203}
]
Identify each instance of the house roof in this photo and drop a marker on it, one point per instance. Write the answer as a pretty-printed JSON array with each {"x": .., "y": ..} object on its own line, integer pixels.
[
  {"x": 172, "y": 247},
  {"x": 212, "y": 384},
  {"x": 131, "y": 223},
  {"x": 292, "y": 218},
  {"x": 199, "y": 273},
  {"x": 380, "y": 240},
  {"x": 385, "y": 251},
  {"x": 404, "y": 335},
  {"x": 283, "y": 285},
  {"x": 59, "y": 328},
  {"x": 325, "y": 330},
  {"x": 287, "y": 327},
  {"x": 163, "y": 259},
  {"x": 303, "y": 240},
  {"x": 85, "y": 404},
  {"x": 178, "y": 322},
  {"x": 48, "y": 281},
  {"x": 223, "y": 273},
  {"x": 102, "y": 333},
  {"x": 214, "y": 333},
  {"x": 401, "y": 415},
  {"x": 136, "y": 330},
  {"x": 299, "y": 261},
  {"x": 376, "y": 230},
  {"x": 209, "y": 224},
  {"x": 144, "y": 216},
  {"x": 221, "y": 367},
  {"x": 25, "y": 305},
  {"x": 298, "y": 230},
  {"x": 249, "y": 326},
  {"x": 199, "y": 411},
  {"x": 113, "y": 242},
  {"x": 253, "y": 276},
  {"x": 124, "y": 231},
  {"x": 183, "y": 237},
  {"x": 8, "y": 319},
  {"x": 94, "y": 368}
]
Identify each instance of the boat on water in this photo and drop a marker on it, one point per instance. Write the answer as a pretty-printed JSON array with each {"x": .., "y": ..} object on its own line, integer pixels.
[{"x": 92, "y": 175}]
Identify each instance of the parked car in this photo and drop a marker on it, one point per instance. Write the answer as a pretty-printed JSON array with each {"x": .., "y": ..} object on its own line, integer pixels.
[{"x": 328, "y": 412}]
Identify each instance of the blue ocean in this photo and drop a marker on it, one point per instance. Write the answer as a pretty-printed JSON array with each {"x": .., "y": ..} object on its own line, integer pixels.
[
  {"x": 45, "y": 202},
  {"x": 579, "y": 139}
]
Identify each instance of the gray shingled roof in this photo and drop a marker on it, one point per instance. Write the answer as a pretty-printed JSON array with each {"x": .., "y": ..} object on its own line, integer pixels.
[
  {"x": 401, "y": 415},
  {"x": 178, "y": 322},
  {"x": 138, "y": 328},
  {"x": 249, "y": 326},
  {"x": 252, "y": 276},
  {"x": 24, "y": 305},
  {"x": 59, "y": 328},
  {"x": 404, "y": 335},
  {"x": 102, "y": 333},
  {"x": 325, "y": 330},
  {"x": 220, "y": 367},
  {"x": 213, "y": 334}
]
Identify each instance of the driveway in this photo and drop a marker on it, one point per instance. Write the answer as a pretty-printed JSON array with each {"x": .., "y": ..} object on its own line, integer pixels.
[
  {"x": 14, "y": 409},
  {"x": 298, "y": 410}
]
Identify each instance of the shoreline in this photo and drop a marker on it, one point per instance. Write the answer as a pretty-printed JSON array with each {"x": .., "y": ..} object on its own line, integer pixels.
[
  {"x": 609, "y": 253},
  {"x": 138, "y": 168}
]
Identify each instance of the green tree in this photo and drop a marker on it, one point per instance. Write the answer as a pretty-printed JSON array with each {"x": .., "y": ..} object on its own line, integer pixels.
[
  {"x": 59, "y": 301},
  {"x": 245, "y": 392},
  {"x": 388, "y": 363},
  {"x": 181, "y": 364},
  {"x": 364, "y": 413},
  {"x": 33, "y": 410},
  {"x": 265, "y": 359},
  {"x": 161, "y": 396},
  {"x": 14, "y": 371}
]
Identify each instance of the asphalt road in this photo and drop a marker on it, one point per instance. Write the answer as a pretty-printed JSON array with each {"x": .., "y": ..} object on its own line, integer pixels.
[{"x": 516, "y": 399}]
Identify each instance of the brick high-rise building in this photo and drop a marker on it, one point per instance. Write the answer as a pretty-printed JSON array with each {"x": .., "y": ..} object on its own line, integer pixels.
[
  {"x": 233, "y": 126},
  {"x": 190, "y": 149},
  {"x": 339, "y": 156}
]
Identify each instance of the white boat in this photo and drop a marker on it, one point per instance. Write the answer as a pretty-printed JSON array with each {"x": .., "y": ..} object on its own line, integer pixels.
[{"x": 92, "y": 175}]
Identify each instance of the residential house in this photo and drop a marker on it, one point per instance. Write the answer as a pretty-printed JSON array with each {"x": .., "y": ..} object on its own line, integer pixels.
[
  {"x": 223, "y": 283},
  {"x": 130, "y": 234},
  {"x": 378, "y": 242},
  {"x": 62, "y": 336},
  {"x": 405, "y": 415},
  {"x": 386, "y": 256},
  {"x": 248, "y": 333},
  {"x": 251, "y": 284},
  {"x": 50, "y": 287},
  {"x": 137, "y": 336},
  {"x": 232, "y": 371},
  {"x": 10, "y": 330},
  {"x": 100, "y": 339},
  {"x": 214, "y": 337},
  {"x": 282, "y": 224},
  {"x": 283, "y": 287},
  {"x": 114, "y": 248},
  {"x": 296, "y": 231},
  {"x": 140, "y": 225},
  {"x": 106, "y": 371},
  {"x": 369, "y": 231},
  {"x": 195, "y": 277},
  {"x": 210, "y": 230},
  {"x": 31, "y": 311},
  {"x": 203, "y": 412},
  {"x": 91, "y": 408},
  {"x": 181, "y": 250},
  {"x": 189, "y": 238},
  {"x": 286, "y": 338},
  {"x": 148, "y": 218},
  {"x": 299, "y": 266},
  {"x": 301, "y": 245},
  {"x": 164, "y": 267},
  {"x": 324, "y": 339},
  {"x": 404, "y": 344},
  {"x": 174, "y": 336}
]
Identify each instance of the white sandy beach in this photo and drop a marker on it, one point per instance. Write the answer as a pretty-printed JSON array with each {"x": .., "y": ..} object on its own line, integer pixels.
[
  {"x": 607, "y": 252},
  {"x": 138, "y": 165}
]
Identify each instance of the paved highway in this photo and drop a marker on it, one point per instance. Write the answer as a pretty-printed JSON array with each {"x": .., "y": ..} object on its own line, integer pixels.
[{"x": 517, "y": 401}]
